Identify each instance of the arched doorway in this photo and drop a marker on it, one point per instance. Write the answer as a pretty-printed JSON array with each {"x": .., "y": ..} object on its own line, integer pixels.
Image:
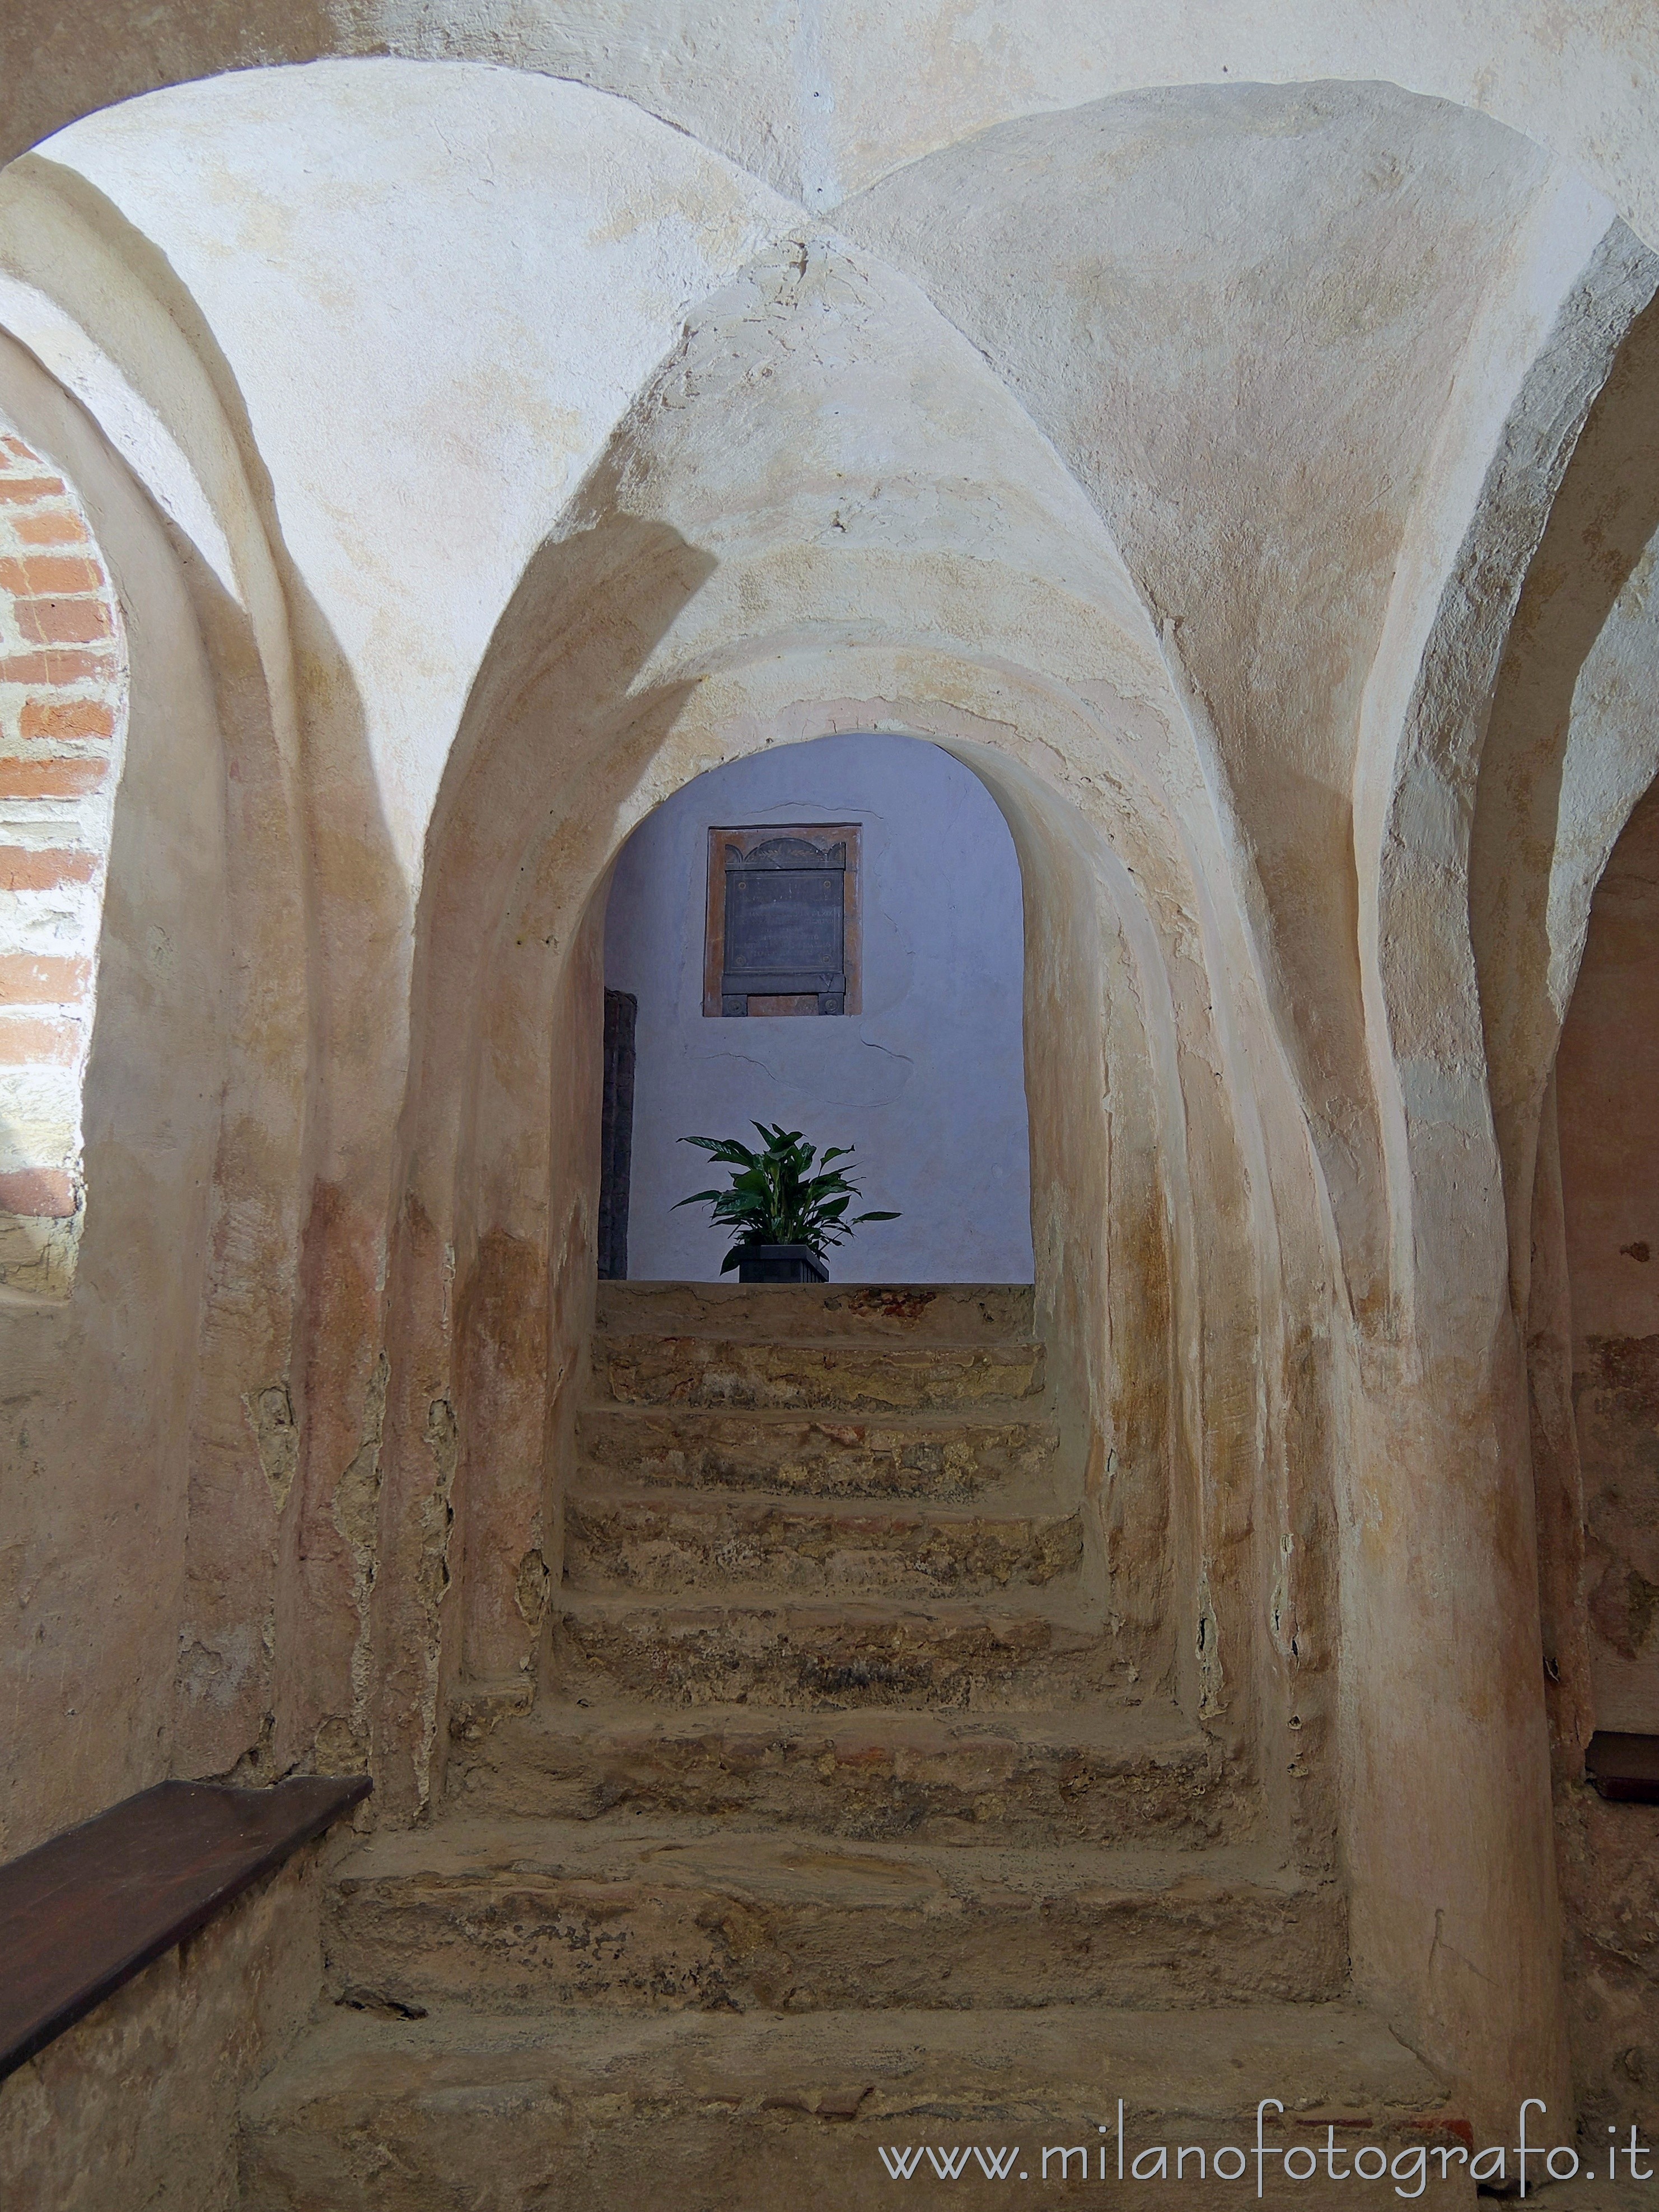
[
  {"x": 1114, "y": 1295},
  {"x": 923, "y": 1072}
]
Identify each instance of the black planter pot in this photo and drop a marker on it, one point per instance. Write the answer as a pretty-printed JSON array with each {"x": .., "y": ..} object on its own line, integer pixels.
[{"x": 780, "y": 1263}]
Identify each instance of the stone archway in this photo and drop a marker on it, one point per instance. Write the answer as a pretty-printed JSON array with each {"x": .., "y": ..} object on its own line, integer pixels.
[
  {"x": 1111, "y": 1317},
  {"x": 1123, "y": 1312}
]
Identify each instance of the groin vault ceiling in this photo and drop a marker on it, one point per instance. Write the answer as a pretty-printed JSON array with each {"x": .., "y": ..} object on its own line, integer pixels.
[{"x": 1157, "y": 393}]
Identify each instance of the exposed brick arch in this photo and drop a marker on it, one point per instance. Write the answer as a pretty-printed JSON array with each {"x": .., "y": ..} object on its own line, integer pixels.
[{"x": 63, "y": 721}]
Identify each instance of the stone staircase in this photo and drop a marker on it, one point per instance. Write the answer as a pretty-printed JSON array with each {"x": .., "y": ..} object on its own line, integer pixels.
[{"x": 840, "y": 1826}]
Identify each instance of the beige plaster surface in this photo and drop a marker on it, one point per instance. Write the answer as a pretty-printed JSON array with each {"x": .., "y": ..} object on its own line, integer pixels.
[{"x": 825, "y": 96}]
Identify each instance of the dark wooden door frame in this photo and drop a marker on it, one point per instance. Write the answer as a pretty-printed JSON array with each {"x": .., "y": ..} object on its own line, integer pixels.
[{"x": 621, "y": 1011}]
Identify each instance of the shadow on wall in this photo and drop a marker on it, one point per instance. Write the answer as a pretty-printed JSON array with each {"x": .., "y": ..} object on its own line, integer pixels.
[
  {"x": 1608, "y": 1121},
  {"x": 1608, "y": 1077},
  {"x": 925, "y": 1082}
]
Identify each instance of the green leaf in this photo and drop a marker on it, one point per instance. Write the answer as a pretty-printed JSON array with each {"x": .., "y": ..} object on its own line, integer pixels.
[{"x": 775, "y": 1197}]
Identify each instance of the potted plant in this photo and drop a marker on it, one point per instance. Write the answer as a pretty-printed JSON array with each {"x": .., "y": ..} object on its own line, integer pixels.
[{"x": 785, "y": 1215}]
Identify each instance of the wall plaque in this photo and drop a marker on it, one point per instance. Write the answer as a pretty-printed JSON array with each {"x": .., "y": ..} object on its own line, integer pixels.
[{"x": 783, "y": 934}]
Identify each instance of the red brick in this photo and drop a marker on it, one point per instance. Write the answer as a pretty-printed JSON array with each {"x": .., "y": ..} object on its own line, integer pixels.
[
  {"x": 64, "y": 622},
  {"x": 38, "y": 1040},
  {"x": 57, "y": 718},
  {"x": 43, "y": 574},
  {"x": 55, "y": 526},
  {"x": 24, "y": 869},
  {"x": 55, "y": 667},
  {"x": 39, "y": 1191},
  {"x": 23, "y": 776},
  {"x": 25, "y": 491},
  {"x": 42, "y": 978}
]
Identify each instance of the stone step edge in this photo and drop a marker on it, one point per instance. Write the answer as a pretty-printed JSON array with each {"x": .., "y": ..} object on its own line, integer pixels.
[
  {"x": 1007, "y": 1348},
  {"x": 1159, "y": 1732},
  {"x": 994, "y": 1409},
  {"x": 762, "y": 1359},
  {"x": 756, "y": 1600},
  {"x": 700, "y": 1854},
  {"x": 922, "y": 1420},
  {"x": 693, "y": 1498},
  {"x": 1333, "y": 2061},
  {"x": 861, "y": 1312},
  {"x": 995, "y": 1505}
]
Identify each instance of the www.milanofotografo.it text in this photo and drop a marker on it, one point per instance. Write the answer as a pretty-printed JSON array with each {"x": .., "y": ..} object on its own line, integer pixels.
[{"x": 1408, "y": 2169}]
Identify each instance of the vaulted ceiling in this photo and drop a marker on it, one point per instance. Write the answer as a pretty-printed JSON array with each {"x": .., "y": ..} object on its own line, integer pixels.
[{"x": 1167, "y": 370}]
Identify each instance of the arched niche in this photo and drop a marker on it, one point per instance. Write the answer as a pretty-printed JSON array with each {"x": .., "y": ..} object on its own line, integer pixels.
[{"x": 1092, "y": 1110}]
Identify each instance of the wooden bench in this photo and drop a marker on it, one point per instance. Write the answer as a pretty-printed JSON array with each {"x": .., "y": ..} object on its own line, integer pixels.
[
  {"x": 85, "y": 1912},
  {"x": 1625, "y": 1767}
]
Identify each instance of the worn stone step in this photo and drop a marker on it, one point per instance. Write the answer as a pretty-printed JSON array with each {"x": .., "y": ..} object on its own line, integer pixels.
[
  {"x": 1139, "y": 1772},
  {"x": 714, "y": 1918},
  {"x": 950, "y": 1458},
  {"x": 850, "y": 1377},
  {"x": 743, "y": 2112},
  {"x": 882, "y": 1313},
  {"x": 1026, "y": 1653},
  {"x": 666, "y": 1543}
]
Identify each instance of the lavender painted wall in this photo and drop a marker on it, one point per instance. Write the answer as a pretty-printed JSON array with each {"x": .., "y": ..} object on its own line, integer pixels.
[{"x": 927, "y": 1082}]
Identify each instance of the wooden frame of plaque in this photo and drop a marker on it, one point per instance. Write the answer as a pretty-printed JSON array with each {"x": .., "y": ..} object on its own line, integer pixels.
[{"x": 781, "y": 933}]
